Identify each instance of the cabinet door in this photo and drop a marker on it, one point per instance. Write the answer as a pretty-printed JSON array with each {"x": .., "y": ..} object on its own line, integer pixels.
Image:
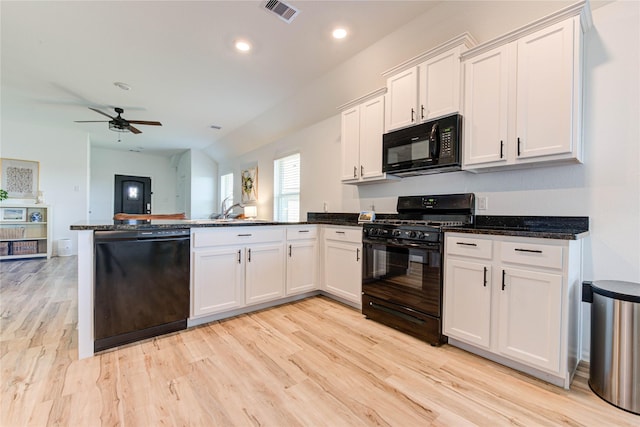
[
  {"x": 467, "y": 302},
  {"x": 486, "y": 89},
  {"x": 350, "y": 144},
  {"x": 302, "y": 258},
  {"x": 545, "y": 91},
  {"x": 343, "y": 270},
  {"x": 530, "y": 309},
  {"x": 402, "y": 100},
  {"x": 265, "y": 276},
  {"x": 218, "y": 281},
  {"x": 371, "y": 130},
  {"x": 440, "y": 85}
]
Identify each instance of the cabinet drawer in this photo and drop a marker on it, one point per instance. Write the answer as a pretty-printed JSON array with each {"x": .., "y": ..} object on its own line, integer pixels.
[
  {"x": 302, "y": 232},
  {"x": 469, "y": 247},
  {"x": 236, "y": 235},
  {"x": 344, "y": 234},
  {"x": 532, "y": 254}
]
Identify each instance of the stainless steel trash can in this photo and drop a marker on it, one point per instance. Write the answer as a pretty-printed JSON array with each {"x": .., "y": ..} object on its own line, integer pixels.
[{"x": 614, "y": 368}]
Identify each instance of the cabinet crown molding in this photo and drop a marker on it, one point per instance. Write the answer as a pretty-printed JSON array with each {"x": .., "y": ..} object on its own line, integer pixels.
[
  {"x": 465, "y": 39},
  {"x": 363, "y": 98},
  {"x": 581, "y": 8}
]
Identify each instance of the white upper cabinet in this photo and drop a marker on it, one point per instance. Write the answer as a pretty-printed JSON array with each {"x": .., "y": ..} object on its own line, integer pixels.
[
  {"x": 350, "y": 143},
  {"x": 523, "y": 95},
  {"x": 426, "y": 86},
  {"x": 544, "y": 92},
  {"x": 362, "y": 129},
  {"x": 402, "y": 96},
  {"x": 439, "y": 85},
  {"x": 486, "y": 102}
]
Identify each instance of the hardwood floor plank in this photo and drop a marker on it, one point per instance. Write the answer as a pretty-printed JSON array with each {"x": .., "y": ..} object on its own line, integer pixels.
[{"x": 314, "y": 362}]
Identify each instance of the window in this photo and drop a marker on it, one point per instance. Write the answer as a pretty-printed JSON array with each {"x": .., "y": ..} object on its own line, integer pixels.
[
  {"x": 226, "y": 188},
  {"x": 286, "y": 192}
]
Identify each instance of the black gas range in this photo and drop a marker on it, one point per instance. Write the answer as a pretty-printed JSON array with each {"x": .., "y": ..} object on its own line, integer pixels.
[{"x": 403, "y": 261}]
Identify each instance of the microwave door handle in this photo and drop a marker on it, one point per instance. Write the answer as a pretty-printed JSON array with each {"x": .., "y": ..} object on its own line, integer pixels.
[{"x": 434, "y": 141}]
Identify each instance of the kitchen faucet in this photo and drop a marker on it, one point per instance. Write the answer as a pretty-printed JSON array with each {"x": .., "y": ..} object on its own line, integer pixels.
[{"x": 225, "y": 212}]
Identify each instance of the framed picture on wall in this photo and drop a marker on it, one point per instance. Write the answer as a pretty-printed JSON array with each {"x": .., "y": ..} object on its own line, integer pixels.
[
  {"x": 249, "y": 185},
  {"x": 20, "y": 178}
]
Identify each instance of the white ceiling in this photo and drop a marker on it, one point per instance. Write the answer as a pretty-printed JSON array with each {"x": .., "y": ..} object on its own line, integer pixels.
[{"x": 58, "y": 58}]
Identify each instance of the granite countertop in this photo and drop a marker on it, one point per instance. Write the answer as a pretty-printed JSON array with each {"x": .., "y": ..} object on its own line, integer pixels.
[
  {"x": 344, "y": 219},
  {"x": 542, "y": 227}
]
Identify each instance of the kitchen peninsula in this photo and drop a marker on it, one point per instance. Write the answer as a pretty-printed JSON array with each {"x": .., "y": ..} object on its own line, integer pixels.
[{"x": 233, "y": 267}]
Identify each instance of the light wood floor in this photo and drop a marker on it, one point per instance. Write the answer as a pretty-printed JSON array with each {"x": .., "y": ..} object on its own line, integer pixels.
[{"x": 310, "y": 363}]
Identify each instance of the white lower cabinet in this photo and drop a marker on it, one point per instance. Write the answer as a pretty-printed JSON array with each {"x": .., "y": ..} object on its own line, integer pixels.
[
  {"x": 302, "y": 259},
  {"x": 236, "y": 266},
  {"x": 264, "y": 272},
  {"x": 468, "y": 302},
  {"x": 515, "y": 300},
  {"x": 530, "y": 317},
  {"x": 343, "y": 263},
  {"x": 218, "y": 280}
]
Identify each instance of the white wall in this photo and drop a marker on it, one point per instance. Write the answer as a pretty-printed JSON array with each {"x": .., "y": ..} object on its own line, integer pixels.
[
  {"x": 197, "y": 184},
  {"x": 606, "y": 188},
  {"x": 63, "y": 156},
  {"x": 204, "y": 185},
  {"x": 319, "y": 148},
  {"x": 105, "y": 164}
]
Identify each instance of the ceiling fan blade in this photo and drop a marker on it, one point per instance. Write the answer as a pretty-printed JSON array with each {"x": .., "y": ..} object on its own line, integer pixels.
[
  {"x": 100, "y": 112},
  {"x": 92, "y": 121},
  {"x": 134, "y": 130},
  {"x": 144, "y": 122}
]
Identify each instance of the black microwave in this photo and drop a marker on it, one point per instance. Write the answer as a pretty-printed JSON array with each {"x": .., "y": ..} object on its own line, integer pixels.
[{"x": 429, "y": 147}]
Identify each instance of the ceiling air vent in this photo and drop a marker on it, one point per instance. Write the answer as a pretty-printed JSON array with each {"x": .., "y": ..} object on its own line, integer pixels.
[{"x": 282, "y": 10}]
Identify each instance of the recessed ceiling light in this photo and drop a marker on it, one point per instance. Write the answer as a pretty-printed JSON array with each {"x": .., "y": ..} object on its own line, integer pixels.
[
  {"x": 339, "y": 33},
  {"x": 243, "y": 46},
  {"x": 122, "y": 86}
]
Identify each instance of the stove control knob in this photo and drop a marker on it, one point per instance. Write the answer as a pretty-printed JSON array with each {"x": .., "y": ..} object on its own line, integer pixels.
[
  {"x": 396, "y": 233},
  {"x": 420, "y": 235},
  {"x": 412, "y": 234}
]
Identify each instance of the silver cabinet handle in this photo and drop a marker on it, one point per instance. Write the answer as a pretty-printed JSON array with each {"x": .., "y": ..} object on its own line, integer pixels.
[
  {"x": 339, "y": 232},
  {"x": 248, "y": 255},
  {"x": 303, "y": 231},
  {"x": 239, "y": 256},
  {"x": 289, "y": 251},
  {"x": 361, "y": 170},
  {"x": 245, "y": 235},
  {"x": 504, "y": 273},
  {"x": 485, "y": 277},
  {"x": 466, "y": 244},
  {"x": 357, "y": 254}
]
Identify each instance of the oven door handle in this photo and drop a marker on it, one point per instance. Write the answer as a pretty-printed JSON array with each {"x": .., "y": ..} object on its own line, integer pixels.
[{"x": 434, "y": 246}]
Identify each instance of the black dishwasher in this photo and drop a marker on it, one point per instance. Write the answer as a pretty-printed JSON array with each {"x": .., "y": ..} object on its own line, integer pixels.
[{"x": 141, "y": 285}]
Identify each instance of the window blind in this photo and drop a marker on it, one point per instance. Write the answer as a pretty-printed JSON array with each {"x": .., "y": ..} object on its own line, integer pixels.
[
  {"x": 226, "y": 188},
  {"x": 287, "y": 188}
]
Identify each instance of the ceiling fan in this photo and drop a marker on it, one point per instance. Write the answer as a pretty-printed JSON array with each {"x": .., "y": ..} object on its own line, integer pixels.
[{"x": 119, "y": 123}]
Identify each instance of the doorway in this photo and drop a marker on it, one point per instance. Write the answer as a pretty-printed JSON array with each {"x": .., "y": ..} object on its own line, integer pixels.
[{"x": 132, "y": 194}]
